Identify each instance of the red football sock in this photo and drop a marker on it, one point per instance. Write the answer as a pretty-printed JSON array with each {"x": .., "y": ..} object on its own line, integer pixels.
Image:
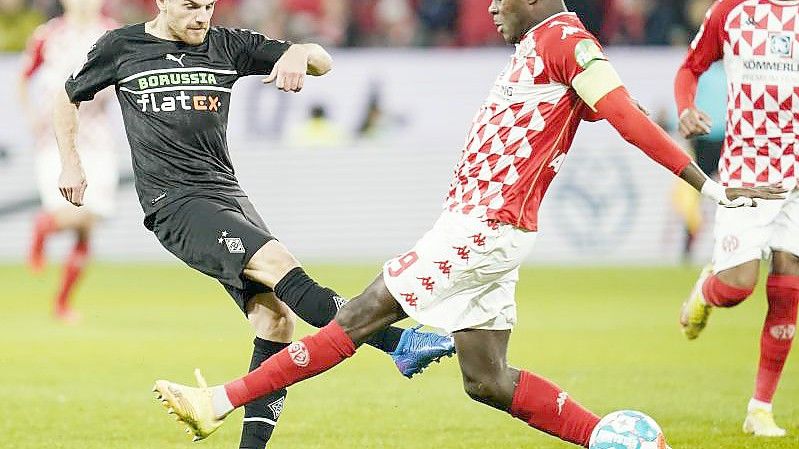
[
  {"x": 719, "y": 294},
  {"x": 778, "y": 333},
  {"x": 73, "y": 268},
  {"x": 544, "y": 406},
  {"x": 44, "y": 225},
  {"x": 302, "y": 359}
]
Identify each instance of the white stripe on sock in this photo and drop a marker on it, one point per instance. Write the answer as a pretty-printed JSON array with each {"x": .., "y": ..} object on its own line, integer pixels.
[{"x": 266, "y": 420}]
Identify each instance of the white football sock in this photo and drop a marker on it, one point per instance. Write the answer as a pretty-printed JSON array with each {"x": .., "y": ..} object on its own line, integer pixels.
[
  {"x": 220, "y": 401},
  {"x": 754, "y": 404}
]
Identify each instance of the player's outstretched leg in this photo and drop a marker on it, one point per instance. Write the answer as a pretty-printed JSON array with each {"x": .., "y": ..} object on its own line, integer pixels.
[
  {"x": 203, "y": 409},
  {"x": 275, "y": 267},
  {"x": 541, "y": 404},
  {"x": 776, "y": 339},
  {"x": 716, "y": 290}
]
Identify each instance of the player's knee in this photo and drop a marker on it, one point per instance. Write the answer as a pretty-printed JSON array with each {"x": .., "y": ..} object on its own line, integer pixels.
[
  {"x": 369, "y": 312},
  {"x": 270, "y": 264},
  {"x": 785, "y": 263},
  {"x": 741, "y": 280},
  {"x": 482, "y": 389}
]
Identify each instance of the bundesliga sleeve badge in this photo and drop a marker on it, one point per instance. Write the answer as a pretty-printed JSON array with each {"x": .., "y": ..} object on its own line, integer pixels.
[{"x": 586, "y": 51}]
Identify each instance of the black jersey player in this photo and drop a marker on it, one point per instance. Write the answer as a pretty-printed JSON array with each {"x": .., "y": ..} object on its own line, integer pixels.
[{"x": 173, "y": 78}]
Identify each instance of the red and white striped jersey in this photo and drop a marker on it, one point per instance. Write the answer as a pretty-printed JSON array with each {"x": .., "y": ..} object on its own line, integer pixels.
[
  {"x": 522, "y": 132},
  {"x": 55, "y": 50},
  {"x": 759, "y": 42}
]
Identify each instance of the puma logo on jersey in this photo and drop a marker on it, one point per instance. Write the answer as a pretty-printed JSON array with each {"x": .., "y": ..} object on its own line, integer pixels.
[{"x": 171, "y": 57}]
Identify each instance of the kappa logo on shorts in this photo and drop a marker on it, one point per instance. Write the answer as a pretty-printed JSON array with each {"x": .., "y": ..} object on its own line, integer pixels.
[
  {"x": 409, "y": 298},
  {"x": 299, "y": 354},
  {"x": 427, "y": 282},
  {"x": 445, "y": 267},
  {"x": 463, "y": 252},
  {"x": 479, "y": 239},
  {"x": 277, "y": 407},
  {"x": 234, "y": 244}
]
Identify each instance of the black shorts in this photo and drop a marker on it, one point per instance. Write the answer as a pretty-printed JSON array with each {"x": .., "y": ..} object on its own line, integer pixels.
[{"x": 214, "y": 235}]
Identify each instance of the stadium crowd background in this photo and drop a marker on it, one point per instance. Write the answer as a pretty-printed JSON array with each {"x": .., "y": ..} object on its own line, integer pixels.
[{"x": 398, "y": 23}]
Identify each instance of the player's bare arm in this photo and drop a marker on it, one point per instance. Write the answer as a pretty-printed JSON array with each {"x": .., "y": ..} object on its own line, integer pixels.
[
  {"x": 72, "y": 182},
  {"x": 299, "y": 60},
  {"x": 603, "y": 91}
]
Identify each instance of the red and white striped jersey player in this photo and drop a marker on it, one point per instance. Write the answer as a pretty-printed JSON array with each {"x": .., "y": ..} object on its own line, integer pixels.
[
  {"x": 759, "y": 43},
  {"x": 54, "y": 51},
  {"x": 461, "y": 275}
]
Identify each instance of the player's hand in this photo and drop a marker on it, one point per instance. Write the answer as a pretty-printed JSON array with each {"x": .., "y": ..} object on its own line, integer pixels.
[
  {"x": 72, "y": 184},
  {"x": 745, "y": 196},
  {"x": 694, "y": 122},
  {"x": 289, "y": 71}
]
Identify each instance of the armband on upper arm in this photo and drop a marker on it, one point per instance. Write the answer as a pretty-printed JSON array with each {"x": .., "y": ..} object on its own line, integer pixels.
[{"x": 597, "y": 80}]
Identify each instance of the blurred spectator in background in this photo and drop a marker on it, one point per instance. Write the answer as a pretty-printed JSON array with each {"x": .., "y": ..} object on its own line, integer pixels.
[
  {"x": 437, "y": 19},
  {"x": 324, "y": 21},
  {"x": 378, "y": 125},
  {"x": 317, "y": 132},
  {"x": 475, "y": 27},
  {"x": 394, "y": 23},
  {"x": 382, "y": 23},
  {"x": 17, "y": 22},
  {"x": 592, "y": 13}
]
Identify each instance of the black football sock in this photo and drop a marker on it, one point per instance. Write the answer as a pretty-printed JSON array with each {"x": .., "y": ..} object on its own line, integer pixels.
[
  {"x": 260, "y": 415},
  {"x": 317, "y": 305}
]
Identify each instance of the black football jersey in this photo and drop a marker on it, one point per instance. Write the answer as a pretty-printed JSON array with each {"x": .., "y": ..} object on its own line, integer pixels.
[{"x": 175, "y": 101}]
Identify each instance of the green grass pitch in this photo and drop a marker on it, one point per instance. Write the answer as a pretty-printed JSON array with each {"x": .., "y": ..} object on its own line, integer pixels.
[{"x": 609, "y": 336}]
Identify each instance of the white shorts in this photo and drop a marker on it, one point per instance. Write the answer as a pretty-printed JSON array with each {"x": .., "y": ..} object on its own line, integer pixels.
[
  {"x": 461, "y": 274},
  {"x": 751, "y": 233},
  {"x": 102, "y": 175}
]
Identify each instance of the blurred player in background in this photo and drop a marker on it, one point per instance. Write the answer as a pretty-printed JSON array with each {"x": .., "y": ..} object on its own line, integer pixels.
[
  {"x": 174, "y": 77},
  {"x": 711, "y": 96},
  {"x": 461, "y": 276},
  {"x": 54, "y": 51},
  {"x": 759, "y": 43}
]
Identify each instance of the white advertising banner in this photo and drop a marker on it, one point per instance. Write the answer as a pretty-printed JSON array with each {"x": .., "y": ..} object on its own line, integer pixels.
[{"x": 367, "y": 183}]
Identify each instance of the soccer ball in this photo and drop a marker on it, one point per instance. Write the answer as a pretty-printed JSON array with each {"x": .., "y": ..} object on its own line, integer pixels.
[{"x": 627, "y": 429}]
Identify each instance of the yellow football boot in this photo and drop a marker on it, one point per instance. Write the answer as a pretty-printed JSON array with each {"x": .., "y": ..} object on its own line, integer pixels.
[
  {"x": 191, "y": 405},
  {"x": 760, "y": 422},
  {"x": 695, "y": 311}
]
